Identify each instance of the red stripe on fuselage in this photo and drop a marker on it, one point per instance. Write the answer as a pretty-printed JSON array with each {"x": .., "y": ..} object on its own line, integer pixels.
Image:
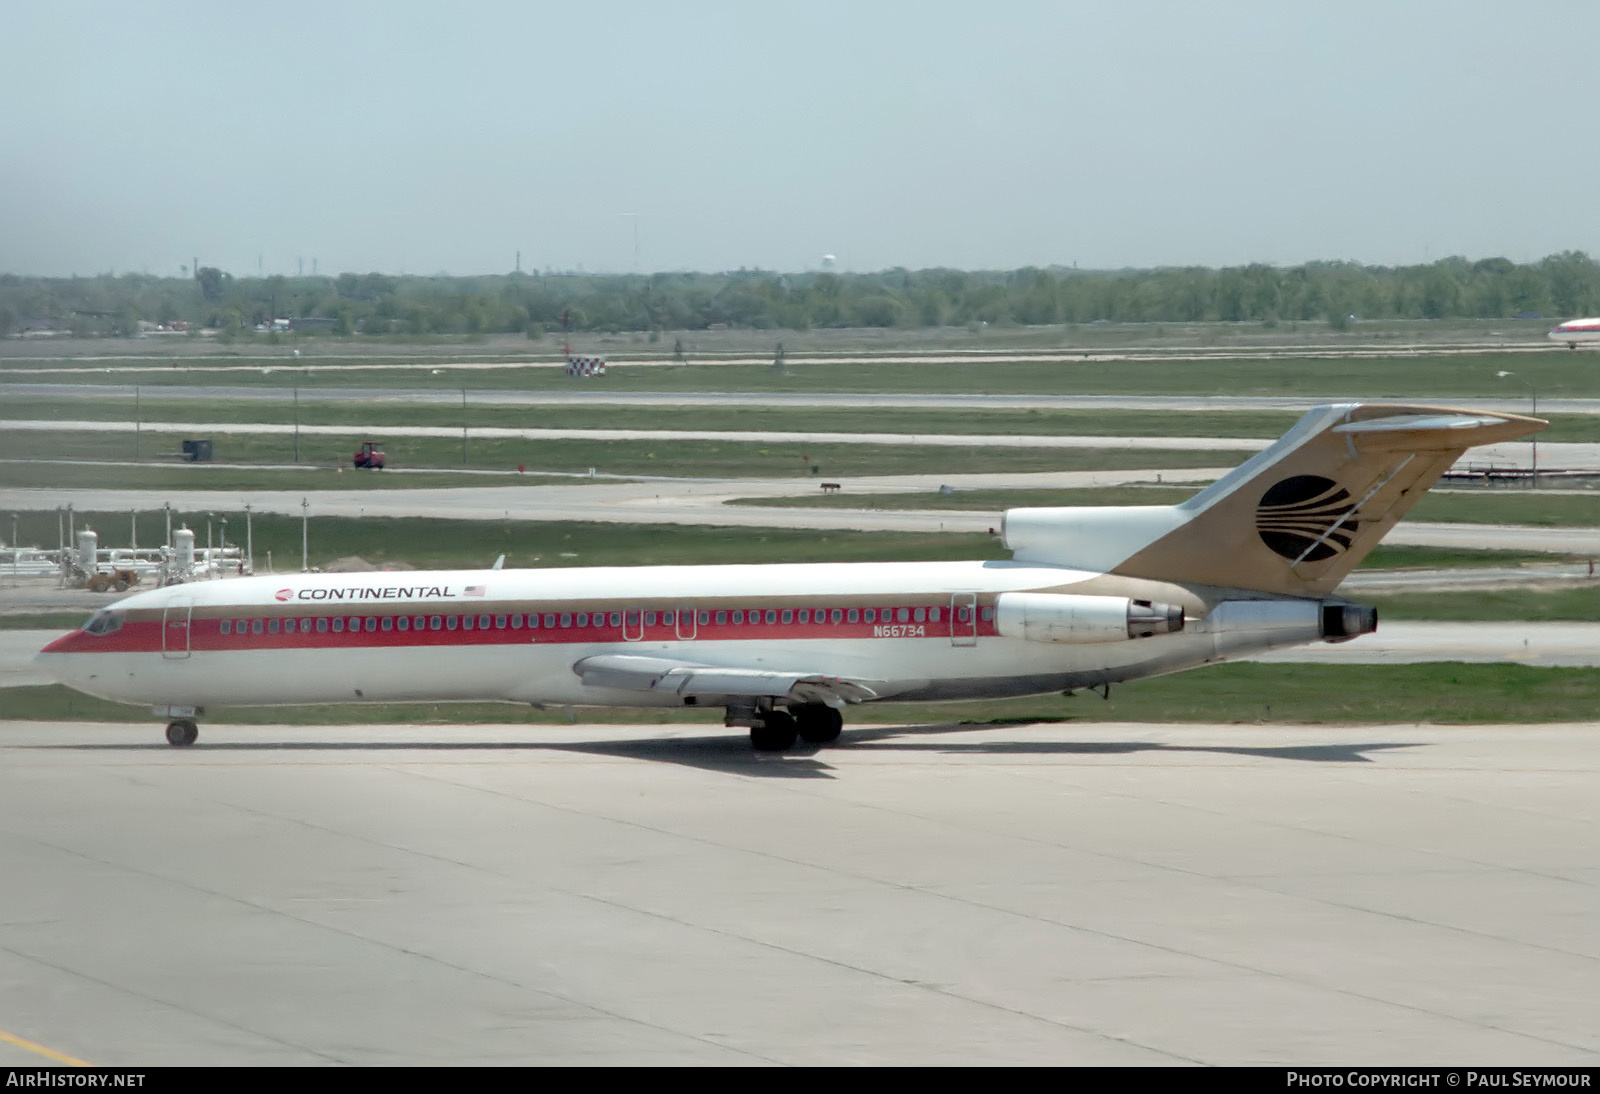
[{"x": 205, "y": 635}]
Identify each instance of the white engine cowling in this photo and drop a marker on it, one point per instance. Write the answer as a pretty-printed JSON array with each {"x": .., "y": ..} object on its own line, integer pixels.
[{"x": 1067, "y": 617}]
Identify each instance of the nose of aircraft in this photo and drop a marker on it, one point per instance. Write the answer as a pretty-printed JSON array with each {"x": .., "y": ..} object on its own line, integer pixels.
[{"x": 51, "y": 661}]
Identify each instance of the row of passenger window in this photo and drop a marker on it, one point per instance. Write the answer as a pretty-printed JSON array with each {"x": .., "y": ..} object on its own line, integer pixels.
[{"x": 738, "y": 617}]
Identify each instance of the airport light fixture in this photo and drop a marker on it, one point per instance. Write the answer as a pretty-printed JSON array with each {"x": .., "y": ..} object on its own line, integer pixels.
[{"x": 1534, "y": 392}]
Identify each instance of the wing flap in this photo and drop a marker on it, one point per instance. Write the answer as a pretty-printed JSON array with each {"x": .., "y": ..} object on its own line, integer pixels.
[{"x": 631, "y": 672}]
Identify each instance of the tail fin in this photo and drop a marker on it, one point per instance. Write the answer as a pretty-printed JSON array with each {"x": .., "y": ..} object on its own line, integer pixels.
[{"x": 1294, "y": 519}]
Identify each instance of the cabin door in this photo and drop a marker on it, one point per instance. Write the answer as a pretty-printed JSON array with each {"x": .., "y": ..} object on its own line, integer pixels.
[
  {"x": 964, "y": 619},
  {"x": 175, "y": 628}
]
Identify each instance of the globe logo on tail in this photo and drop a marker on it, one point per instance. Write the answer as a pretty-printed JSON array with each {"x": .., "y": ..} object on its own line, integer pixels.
[{"x": 1297, "y": 517}]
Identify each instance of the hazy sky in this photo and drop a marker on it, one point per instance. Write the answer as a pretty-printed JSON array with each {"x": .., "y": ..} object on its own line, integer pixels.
[{"x": 429, "y": 137}]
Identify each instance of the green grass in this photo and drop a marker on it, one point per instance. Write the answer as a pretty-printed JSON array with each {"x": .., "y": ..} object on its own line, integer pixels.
[
  {"x": 200, "y": 476},
  {"x": 711, "y": 459},
  {"x": 1389, "y": 557},
  {"x": 1509, "y": 507},
  {"x": 1445, "y": 693},
  {"x": 42, "y": 621},
  {"x": 1568, "y": 604},
  {"x": 1422, "y": 377},
  {"x": 1109, "y": 423}
]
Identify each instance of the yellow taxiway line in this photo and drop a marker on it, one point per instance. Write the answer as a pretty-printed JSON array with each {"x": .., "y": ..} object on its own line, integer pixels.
[{"x": 58, "y": 1057}]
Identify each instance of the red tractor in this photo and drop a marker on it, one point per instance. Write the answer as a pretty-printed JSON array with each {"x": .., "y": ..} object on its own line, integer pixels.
[{"x": 370, "y": 456}]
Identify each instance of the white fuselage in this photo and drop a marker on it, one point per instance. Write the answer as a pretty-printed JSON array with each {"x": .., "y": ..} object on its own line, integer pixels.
[
  {"x": 918, "y": 631},
  {"x": 1577, "y": 330}
]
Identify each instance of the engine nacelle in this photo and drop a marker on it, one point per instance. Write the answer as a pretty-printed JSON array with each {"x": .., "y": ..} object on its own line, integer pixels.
[
  {"x": 1067, "y": 617},
  {"x": 1242, "y": 627},
  {"x": 1342, "y": 622}
]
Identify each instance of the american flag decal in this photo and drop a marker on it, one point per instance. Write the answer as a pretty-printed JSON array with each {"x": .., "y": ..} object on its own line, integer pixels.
[{"x": 476, "y": 590}]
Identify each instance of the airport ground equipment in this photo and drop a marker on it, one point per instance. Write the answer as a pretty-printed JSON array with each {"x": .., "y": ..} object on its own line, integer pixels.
[
  {"x": 370, "y": 456},
  {"x": 113, "y": 581}
]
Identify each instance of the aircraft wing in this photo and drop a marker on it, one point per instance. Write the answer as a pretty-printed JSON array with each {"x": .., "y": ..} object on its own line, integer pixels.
[{"x": 632, "y": 672}]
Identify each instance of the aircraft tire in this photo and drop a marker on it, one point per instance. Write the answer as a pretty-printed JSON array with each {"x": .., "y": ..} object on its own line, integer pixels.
[
  {"x": 819, "y": 724},
  {"x": 775, "y": 733},
  {"x": 182, "y": 732}
]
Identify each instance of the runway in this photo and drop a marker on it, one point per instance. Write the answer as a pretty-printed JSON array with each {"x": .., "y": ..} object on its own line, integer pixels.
[
  {"x": 599, "y": 395},
  {"x": 1062, "y": 894}
]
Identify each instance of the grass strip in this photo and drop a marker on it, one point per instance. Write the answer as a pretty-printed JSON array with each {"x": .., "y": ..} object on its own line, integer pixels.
[
  {"x": 690, "y": 458},
  {"x": 1330, "y": 376}
]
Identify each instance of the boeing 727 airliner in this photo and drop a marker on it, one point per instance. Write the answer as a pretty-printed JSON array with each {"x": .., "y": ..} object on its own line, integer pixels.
[
  {"x": 1574, "y": 331},
  {"x": 1091, "y": 597}
]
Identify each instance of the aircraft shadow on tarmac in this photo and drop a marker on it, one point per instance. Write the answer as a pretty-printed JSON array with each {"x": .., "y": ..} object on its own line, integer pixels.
[{"x": 731, "y": 753}]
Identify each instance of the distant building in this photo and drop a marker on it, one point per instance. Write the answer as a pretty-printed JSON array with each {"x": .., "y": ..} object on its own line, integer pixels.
[{"x": 40, "y": 328}]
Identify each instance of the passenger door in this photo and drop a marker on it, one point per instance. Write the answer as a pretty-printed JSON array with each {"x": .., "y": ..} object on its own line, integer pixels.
[
  {"x": 964, "y": 619},
  {"x": 175, "y": 620}
]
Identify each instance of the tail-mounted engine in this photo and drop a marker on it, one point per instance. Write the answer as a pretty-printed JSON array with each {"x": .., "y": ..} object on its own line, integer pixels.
[{"x": 1066, "y": 617}]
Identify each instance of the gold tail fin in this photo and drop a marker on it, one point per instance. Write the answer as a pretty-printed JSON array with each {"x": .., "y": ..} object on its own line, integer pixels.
[{"x": 1294, "y": 519}]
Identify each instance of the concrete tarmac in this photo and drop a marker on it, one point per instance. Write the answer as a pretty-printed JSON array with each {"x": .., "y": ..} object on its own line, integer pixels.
[{"x": 1050, "y": 894}]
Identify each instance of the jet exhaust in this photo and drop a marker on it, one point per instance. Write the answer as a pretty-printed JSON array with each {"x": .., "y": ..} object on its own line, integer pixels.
[{"x": 1342, "y": 622}]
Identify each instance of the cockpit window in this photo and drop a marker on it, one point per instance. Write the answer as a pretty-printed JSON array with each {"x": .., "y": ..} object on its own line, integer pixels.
[{"x": 104, "y": 622}]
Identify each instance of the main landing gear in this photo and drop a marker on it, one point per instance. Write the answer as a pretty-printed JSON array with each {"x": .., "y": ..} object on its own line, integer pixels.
[
  {"x": 773, "y": 732},
  {"x": 776, "y": 730},
  {"x": 182, "y": 732}
]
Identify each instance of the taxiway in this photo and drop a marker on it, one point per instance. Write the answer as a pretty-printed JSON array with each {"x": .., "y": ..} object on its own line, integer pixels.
[{"x": 1059, "y": 894}]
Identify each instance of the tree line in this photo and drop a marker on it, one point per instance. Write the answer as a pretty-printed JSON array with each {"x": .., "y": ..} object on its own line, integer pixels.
[{"x": 1560, "y": 285}]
